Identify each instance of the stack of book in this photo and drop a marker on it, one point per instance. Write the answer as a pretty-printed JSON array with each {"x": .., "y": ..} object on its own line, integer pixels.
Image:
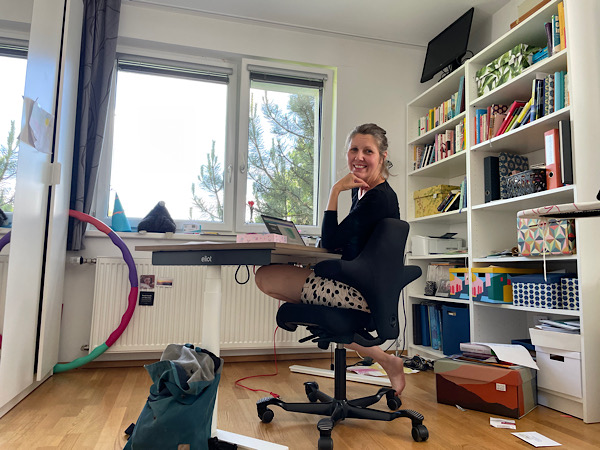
[
  {"x": 572, "y": 326},
  {"x": 444, "y": 145},
  {"x": 447, "y": 110}
]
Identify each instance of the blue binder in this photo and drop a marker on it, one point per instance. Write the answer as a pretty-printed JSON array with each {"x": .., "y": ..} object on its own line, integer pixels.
[
  {"x": 425, "y": 337},
  {"x": 455, "y": 328}
]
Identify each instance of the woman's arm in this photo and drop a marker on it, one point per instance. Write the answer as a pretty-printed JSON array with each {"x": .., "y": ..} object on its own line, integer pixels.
[{"x": 346, "y": 183}]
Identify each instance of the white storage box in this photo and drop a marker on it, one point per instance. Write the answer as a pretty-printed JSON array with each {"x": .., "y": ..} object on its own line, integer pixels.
[
  {"x": 553, "y": 339},
  {"x": 559, "y": 370}
]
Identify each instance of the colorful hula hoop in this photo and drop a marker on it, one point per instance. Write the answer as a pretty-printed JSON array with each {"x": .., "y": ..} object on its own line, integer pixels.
[{"x": 131, "y": 302}]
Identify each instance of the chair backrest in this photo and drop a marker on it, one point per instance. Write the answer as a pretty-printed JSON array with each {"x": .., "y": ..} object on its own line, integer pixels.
[{"x": 379, "y": 274}]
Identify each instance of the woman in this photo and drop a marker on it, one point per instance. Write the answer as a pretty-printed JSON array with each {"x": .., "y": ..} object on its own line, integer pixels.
[{"x": 372, "y": 200}]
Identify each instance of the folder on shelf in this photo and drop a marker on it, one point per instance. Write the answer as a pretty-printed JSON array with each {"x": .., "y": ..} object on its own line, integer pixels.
[
  {"x": 491, "y": 178},
  {"x": 425, "y": 337},
  {"x": 455, "y": 328},
  {"x": 416, "y": 322},
  {"x": 566, "y": 157},
  {"x": 552, "y": 148}
]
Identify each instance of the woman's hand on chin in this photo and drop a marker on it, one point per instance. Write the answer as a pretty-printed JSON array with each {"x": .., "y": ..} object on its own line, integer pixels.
[{"x": 351, "y": 181}]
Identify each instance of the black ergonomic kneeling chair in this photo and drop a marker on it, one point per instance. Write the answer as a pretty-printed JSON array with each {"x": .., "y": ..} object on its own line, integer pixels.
[{"x": 380, "y": 275}]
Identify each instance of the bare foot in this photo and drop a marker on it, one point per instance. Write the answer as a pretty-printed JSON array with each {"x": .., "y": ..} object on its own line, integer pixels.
[{"x": 394, "y": 367}]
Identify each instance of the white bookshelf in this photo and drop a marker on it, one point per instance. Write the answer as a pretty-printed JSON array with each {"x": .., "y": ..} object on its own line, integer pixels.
[{"x": 493, "y": 226}]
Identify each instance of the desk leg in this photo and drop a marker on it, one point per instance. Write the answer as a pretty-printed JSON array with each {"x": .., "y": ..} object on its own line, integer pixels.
[
  {"x": 211, "y": 320},
  {"x": 211, "y": 340}
]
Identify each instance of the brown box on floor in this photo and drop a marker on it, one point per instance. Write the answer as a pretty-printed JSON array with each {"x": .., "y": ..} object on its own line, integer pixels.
[{"x": 502, "y": 391}]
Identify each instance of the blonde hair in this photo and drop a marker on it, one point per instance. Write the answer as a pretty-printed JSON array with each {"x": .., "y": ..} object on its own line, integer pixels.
[{"x": 379, "y": 134}]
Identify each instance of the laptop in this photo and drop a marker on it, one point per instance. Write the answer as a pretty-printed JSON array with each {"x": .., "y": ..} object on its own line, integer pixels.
[{"x": 284, "y": 227}]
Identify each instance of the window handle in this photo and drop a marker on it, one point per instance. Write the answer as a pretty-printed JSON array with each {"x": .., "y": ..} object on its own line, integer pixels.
[
  {"x": 243, "y": 168},
  {"x": 229, "y": 173}
]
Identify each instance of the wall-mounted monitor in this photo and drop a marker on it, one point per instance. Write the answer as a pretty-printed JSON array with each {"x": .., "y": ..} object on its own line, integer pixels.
[{"x": 448, "y": 47}]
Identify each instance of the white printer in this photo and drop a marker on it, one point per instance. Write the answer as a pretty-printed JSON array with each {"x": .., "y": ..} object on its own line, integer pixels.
[{"x": 429, "y": 245}]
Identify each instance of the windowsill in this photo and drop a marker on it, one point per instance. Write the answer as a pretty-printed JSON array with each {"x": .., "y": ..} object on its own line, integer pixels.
[{"x": 221, "y": 237}]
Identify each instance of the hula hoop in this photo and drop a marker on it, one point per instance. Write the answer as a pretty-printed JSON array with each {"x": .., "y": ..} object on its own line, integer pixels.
[{"x": 131, "y": 302}]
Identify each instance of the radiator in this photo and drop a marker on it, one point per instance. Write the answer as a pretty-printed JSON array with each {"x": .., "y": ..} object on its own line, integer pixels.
[{"x": 247, "y": 315}]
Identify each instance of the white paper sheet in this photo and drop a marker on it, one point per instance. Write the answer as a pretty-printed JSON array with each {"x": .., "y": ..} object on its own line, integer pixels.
[
  {"x": 515, "y": 354},
  {"x": 536, "y": 439}
]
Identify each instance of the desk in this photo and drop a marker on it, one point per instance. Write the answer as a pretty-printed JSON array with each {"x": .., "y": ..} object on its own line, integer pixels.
[{"x": 215, "y": 255}]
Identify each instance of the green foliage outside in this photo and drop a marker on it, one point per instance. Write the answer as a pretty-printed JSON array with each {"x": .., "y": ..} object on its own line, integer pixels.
[
  {"x": 281, "y": 171},
  {"x": 8, "y": 170}
]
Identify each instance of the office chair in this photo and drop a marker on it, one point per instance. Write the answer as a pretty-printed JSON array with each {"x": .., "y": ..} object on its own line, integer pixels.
[{"x": 380, "y": 275}]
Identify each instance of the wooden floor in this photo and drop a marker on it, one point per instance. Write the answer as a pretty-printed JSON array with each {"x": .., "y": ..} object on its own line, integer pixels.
[{"x": 90, "y": 408}]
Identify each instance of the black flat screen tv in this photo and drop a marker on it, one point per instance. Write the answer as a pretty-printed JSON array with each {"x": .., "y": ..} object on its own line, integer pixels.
[{"x": 448, "y": 47}]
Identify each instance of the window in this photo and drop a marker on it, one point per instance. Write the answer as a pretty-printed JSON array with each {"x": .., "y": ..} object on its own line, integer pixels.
[
  {"x": 169, "y": 140},
  {"x": 13, "y": 60},
  {"x": 286, "y": 162},
  {"x": 175, "y": 128}
]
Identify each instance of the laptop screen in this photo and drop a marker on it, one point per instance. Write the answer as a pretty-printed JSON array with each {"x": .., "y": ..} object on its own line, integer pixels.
[{"x": 283, "y": 227}]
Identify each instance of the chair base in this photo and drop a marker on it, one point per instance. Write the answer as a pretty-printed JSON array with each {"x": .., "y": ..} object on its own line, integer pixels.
[{"x": 339, "y": 408}]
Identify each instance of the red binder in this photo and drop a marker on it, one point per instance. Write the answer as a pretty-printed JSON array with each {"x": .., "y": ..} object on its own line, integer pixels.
[{"x": 552, "y": 146}]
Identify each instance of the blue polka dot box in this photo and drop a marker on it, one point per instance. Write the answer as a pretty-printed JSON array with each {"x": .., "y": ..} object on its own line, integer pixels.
[{"x": 535, "y": 292}]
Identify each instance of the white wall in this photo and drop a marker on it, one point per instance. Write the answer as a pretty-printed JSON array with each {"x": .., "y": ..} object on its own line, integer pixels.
[{"x": 375, "y": 81}]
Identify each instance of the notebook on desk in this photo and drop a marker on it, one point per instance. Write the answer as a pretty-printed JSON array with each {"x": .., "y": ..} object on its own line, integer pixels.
[{"x": 286, "y": 228}]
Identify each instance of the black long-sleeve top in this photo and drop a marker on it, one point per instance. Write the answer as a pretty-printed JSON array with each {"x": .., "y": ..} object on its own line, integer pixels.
[{"x": 351, "y": 235}]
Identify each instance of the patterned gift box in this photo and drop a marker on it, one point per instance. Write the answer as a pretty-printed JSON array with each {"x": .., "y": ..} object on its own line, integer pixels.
[
  {"x": 509, "y": 164},
  {"x": 555, "y": 237},
  {"x": 504, "y": 68},
  {"x": 459, "y": 282},
  {"x": 427, "y": 200},
  {"x": 569, "y": 289}
]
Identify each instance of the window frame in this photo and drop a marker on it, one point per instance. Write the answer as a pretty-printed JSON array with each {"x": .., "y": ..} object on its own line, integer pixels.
[
  {"x": 236, "y": 147},
  {"x": 326, "y": 153},
  {"x": 101, "y": 204}
]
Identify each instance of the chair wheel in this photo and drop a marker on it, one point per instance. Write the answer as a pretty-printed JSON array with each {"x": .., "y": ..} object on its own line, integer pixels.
[
  {"x": 310, "y": 388},
  {"x": 267, "y": 415},
  {"x": 394, "y": 403},
  {"x": 420, "y": 433},
  {"x": 325, "y": 443}
]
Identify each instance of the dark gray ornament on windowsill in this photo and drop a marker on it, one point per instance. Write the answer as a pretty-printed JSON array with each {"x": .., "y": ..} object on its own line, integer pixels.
[{"x": 158, "y": 220}]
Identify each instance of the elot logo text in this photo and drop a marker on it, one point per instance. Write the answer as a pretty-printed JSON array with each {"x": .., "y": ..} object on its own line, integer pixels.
[{"x": 206, "y": 259}]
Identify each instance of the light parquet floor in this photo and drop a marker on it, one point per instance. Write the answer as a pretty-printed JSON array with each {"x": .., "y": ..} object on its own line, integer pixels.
[{"x": 90, "y": 408}]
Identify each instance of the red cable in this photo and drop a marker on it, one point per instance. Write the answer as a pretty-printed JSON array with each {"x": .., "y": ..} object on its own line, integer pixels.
[{"x": 237, "y": 382}]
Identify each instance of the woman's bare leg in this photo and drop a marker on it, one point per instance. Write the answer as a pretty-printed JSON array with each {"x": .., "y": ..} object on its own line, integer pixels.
[
  {"x": 393, "y": 366},
  {"x": 283, "y": 282}
]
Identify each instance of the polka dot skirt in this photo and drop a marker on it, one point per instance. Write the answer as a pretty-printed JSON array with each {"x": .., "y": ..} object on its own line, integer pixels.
[{"x": 326, "y": 292}]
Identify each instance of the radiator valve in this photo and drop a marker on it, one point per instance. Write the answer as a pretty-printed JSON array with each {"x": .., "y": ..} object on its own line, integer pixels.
[{"x": 81, "y": 260}]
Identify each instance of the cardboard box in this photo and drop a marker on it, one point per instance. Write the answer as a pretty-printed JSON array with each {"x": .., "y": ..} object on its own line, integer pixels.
[
  {"x": 557, "y": 237},
  {"x": 494, "y": 284},
  {"x": 502, "y": 391},
  {"x": 427, "y": 200},
  {"x": 504, "y": 68},
  {"x": 255, "y": 237}
]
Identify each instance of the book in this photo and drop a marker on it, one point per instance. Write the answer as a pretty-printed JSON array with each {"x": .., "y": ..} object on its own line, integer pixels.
[
  {"x": 561, "y": 26},
  {"x": 453, "y": 203},
  {"x": 425, "y": 334},
  {"x": 460, "y": 98},
  {"x": 447, "y": 199},
  {"x": 434, "y": 326},
  {"x": 523, "y": 113},
  {"x": 514, "y": 119},
  {"x": 478, "y": 113},
  {"x": 566, "y": 156},
  {"x": 555, "y": 34},
  {"x": 548, "y": 27},
  {"x": 509, "y": 115}
]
